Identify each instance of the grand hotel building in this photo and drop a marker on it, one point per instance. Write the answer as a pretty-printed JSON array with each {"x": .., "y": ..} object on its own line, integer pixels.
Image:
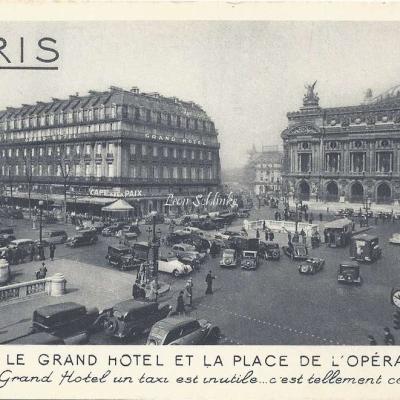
[
  {"x": 107, "y": 145},
  {"x": 344, "y": 153}
]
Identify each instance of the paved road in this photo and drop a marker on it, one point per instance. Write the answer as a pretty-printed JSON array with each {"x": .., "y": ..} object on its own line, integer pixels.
[{"x": 276, "y": 305}]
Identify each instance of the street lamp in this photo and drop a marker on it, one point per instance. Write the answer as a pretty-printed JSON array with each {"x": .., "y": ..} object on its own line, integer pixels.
[
  {"x": 367, "y": 206},
  {"x": 40, "y": 220},
  {"x": 155, "y": 244}
]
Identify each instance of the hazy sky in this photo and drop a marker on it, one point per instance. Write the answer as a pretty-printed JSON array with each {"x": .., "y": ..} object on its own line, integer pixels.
[{"x": 246, "y": 75}]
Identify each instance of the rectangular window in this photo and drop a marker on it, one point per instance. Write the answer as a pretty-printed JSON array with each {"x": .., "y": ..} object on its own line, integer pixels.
[
  {"x": 174, "y": 152},
  {"x": 40, "y": 151},
  {"x": 98, "y": 170},
  {"x": 137, "y": 113},
  {"x": 110, "y": 148},
  {"x": 110, "y": 170},
  {"x": 67, "y": 150},
  {"x": 165, "y": 151},
  {"x": 49, "y": 151},
  {"x": 87, "y": 170},
  {"x": 98, "y": 151},
  {"x": 33, "y": 152},
  {"x": 9, "y": 152},
  {"x": 155, "y": 151},
  {"x": 305, "y": 163},
  {"x": 17, "y": 152},
  {"x": 148, "y": 115},
  {"x": 209, "y": 156},
  {"x": 178, "y": 121},
  {"x": 193, "y": 155},
  {"x": 132, "y": 148},
  {"x": 384, "y": 162},
  {"x": 193, "y": 173},
  {"x": 78, "y": 150},
  {"x": 184, "y": 153},
  {"x": 144, "y": 149},
  {"x": 201, "y": 154},
  {"x": 87, "y": 149},
  {"x": 40, "y": 170},
  {"x": 78, "y": 170},
  {"x": 357, "y": 162}
]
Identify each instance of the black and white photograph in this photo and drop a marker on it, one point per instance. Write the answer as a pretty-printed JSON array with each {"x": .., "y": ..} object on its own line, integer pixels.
[{"x": 200, "y": 183}]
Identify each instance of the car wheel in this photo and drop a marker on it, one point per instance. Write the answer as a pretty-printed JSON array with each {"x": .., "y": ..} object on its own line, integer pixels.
[
  {"x": 110, "y": 325},
  {"x": 175, "y": 273}
]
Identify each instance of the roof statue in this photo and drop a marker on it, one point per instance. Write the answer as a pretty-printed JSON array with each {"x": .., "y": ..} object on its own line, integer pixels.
[{"x": 310, "y": 98}]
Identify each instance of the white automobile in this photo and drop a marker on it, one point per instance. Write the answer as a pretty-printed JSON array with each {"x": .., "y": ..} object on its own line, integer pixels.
[
  {"x": 395, "y": 239},
  {"x": 187, "y": 230},
  {"x": 228, "y": 234},
  {"x": 171, "y": 265}
]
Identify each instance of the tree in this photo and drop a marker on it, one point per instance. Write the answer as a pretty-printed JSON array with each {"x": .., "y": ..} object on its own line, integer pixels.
[
  {"x": 28, "y": 175},
  {"x": 65, "y": 172}
]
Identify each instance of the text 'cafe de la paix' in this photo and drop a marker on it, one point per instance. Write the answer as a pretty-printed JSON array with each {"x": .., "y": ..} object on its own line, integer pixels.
[{"x": 108, "y": 144}]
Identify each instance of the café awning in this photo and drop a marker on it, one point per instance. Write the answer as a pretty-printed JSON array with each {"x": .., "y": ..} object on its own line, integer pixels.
[{"x": 118, "y": 206}]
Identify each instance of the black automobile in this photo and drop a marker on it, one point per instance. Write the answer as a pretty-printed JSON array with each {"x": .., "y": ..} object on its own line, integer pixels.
[
  {"x": 270, "y": 250},
  {"x": 112, "y": 229},
  {"x": 207, "y": 225},
  {"x": 202, "y": 245},
  {"x": 311, "y": 266},
  {"x": 131, "y": 228},
  {"x": 349, "y": 272},
  {"x": 5, "y": 239},
  {"x": 131, "y": 317},
  {"x": 83, "y": 238},
  {"x": 69, "y": 321},
  {"x": 296, "y": 251},
  {"x": 121, "y": 257}
]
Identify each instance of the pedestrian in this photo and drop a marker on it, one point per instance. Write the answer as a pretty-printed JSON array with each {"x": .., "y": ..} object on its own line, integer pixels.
[
  {"x": 263, "y": 225},
  {"x": 321, "y": 217},
  {"x": 213, "y": 249},
  {"x": 189, "y": 292},
  {"x": 289, "y": 237},
  {"x": 258, "y": 234},
  {"x": 180, "y": 304},
  {"x": 266, "y": 235},
  {"x": 371, "y": 340},
  {"x": 304, "y": 239},
  {"x": 136, "y": 290},
  {"x": 52, "y": 251},
  {"x": 271, "y": 236},
  {"x": 43, "y": 271},
  {"x": 302, "y": 232},
  {"x": 209, "y": 280},
  {"x": 388, "y": 337}
]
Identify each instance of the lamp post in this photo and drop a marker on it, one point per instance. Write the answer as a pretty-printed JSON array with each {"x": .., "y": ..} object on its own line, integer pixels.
[
  {"x": 40, "y": 220},
  {"x": 11, "y": 185},
  {"x": 367, "y": 206}
]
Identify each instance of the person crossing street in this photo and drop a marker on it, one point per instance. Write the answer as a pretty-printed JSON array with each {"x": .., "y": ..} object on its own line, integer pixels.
[{"x": 209, "y": 281}]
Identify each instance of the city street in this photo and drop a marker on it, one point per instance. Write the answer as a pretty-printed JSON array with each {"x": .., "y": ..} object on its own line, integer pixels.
[{"x": 272, "y": 305}]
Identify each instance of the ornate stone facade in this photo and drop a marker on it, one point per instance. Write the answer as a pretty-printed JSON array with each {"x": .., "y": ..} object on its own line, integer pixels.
[{"x": 347, "y": 153}]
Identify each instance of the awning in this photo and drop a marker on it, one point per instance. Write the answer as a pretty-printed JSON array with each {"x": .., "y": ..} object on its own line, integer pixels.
[{"x": 119, "y": 205}]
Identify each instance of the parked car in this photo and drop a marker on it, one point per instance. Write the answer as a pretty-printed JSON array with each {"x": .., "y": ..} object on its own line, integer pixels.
[
  {"x": 296, "y": 251},
  {"x": 130, "y": 318},
  {"x": 270, "y": 250},
  {"x": 84, "y": 238},
  {"x": 365, "y": 248},
  {"x": 311, "y": 266},
  {"x": 395, "y": 239},
  {"x": 70, "y": 321},
  {"x": 200, "y": 244},
  {"x": 183, "y": 331},
  {"x": 43, "y": 338},
  {"x": 56, "y": 237},
  {"x": 250, "y": 259},
  {"x": 148, "y": 219},
  {"x": 6, "y": 239},
  {"x": 121, "y": 257},
  {"x": 183, "y": 249},
  {"x": 171, "y": 265},
  {"x": 23, "y": 244},
  {"x": 244, "y": 213},
  {"x": 99, "y": 226},
  {"x": 349, "y": 272},
  {"x": 230, "y": 258}
]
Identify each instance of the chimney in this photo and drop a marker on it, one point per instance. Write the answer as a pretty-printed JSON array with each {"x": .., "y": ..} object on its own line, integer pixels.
[
  {"x": 55, "y": 99},
  {"x": 116, "y": 89},
  {"x": 135, "y": 90}
]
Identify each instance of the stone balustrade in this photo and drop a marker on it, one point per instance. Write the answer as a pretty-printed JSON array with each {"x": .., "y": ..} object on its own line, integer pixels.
[
  {"x": 280, "y": 226},
  {"x": 52, "y": 286}
]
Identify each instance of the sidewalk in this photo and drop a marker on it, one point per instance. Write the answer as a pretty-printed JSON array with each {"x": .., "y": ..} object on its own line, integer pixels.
[{"x": 86, "y": 284}]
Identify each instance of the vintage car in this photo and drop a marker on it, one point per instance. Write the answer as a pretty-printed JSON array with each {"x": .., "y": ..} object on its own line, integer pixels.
[
  {"x": 250, "y": 259},
  {"x": 5, "y": 239},
  {"x": 349, "y": 272},
  {"x": 200, "y": 244},
  {"x": 229, "y": 234},
  {"x": 296, "y": 251},
  {"x": 131, "y": 317},
  {"x": 365, "y": 248},
  {"x": 171, "y": 265},
  {"x": 174, "y": 238},
  {"x": 183, "y": 249},
  {"x": 207, "y": 225},
  {"x": 154, "y": 215},
  {"x": 55, "y": 237},
  {"x": 36, "y": 338},
  {"x": 395, "y": 239},
  {"x": 70, "y": 321},
  {"x": 129, "y": 238},
  {"x": 188, "y": 230},
  {"x": 23, "y": 244},
  {"x": 112, "y": 229},
  {"x": 121, "y": 257},
  {"x": 183, "y": 331},
  {"x": 83, "y": 238},
  {"x": 338, "y": 232},
  {"x": 243, "y": 213},
  {"x": 311, "y": 266},
  {"x": 230, "y": 259},
  {"x": 271, "y": 250}
]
